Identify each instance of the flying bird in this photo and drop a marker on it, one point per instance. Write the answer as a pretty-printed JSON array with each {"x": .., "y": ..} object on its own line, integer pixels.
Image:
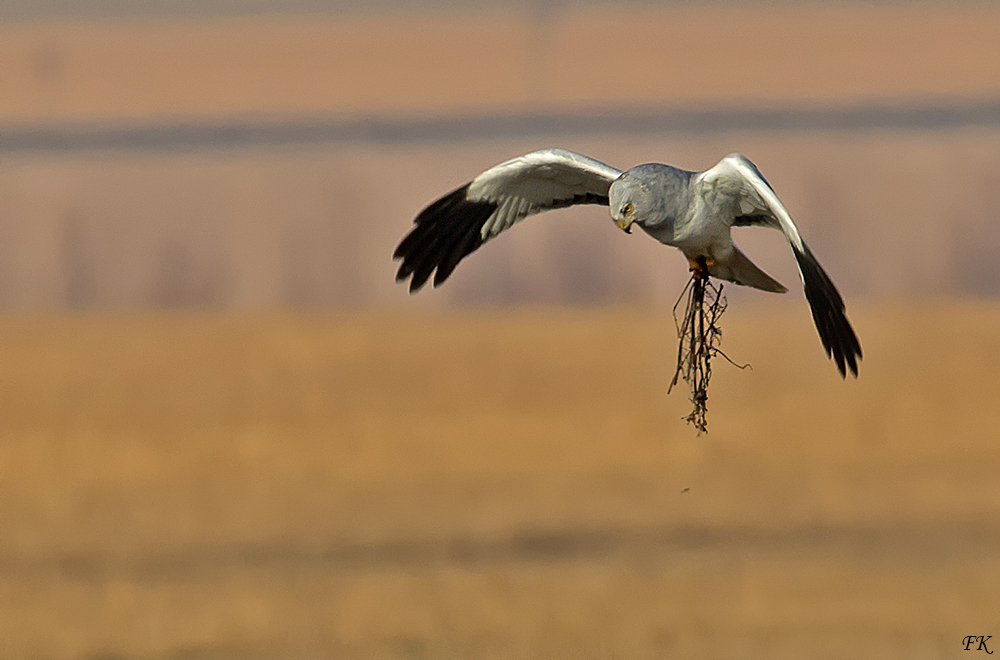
[{"x": 692, "y": 211}]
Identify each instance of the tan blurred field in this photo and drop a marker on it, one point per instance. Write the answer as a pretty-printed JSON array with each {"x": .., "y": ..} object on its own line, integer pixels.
[
  {"x": 496, "y": 485},
  {"x": 490, "y": 484}
]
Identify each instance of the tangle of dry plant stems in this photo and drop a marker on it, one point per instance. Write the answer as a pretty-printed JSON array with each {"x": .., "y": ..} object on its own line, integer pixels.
[{"x": 699, "y": 336}]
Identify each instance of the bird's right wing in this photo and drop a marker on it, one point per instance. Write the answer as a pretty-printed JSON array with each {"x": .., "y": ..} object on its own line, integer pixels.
[{"x": 457, "y": 224}]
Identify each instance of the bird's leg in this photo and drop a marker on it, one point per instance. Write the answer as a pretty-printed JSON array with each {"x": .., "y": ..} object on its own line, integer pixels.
[{"x": 700, "y": 265}]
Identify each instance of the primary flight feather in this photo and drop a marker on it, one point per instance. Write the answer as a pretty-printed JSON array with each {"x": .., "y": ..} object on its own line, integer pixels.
[{"x": 692, "y": 211}]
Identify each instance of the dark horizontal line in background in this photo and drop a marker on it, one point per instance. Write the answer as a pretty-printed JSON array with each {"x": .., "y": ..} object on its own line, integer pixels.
[
  {"x": 933, "y": 541},
  {"x": 277, "y": 132}
]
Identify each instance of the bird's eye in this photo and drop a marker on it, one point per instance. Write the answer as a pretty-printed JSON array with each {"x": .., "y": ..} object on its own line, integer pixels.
[{"x": 627, "y": 208}]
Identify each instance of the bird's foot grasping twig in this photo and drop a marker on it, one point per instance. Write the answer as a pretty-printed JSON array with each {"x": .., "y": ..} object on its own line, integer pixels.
[
  {"x": 699, "y": 336},
  {"x": 700, "y": 266}
]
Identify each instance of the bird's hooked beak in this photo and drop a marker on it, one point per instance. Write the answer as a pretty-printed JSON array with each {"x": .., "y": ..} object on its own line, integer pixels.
[{"x": 625, "y": 226}]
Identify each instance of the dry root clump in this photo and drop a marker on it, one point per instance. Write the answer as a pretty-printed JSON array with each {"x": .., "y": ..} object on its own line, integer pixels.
[{"x": 699, "y": 336}]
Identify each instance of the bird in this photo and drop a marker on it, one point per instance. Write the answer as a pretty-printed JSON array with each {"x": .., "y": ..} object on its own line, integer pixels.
[{"x": 688, "y": 210}]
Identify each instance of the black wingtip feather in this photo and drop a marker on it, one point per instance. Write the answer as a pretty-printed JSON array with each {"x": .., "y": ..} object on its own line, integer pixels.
[
  {"x": 443, "y": 234},
  {"x": 463, "y": 245},
  {"x": 828, "y": 312}
]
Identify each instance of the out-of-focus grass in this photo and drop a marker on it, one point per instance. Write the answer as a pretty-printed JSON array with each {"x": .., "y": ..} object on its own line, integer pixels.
[{"x": 495, "y": 485}]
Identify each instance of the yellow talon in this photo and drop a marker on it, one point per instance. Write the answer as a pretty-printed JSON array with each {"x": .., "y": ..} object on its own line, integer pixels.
[{"x": 696, "y": 265}]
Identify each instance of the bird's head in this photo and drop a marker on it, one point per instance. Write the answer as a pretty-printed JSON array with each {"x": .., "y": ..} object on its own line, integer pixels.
[
  {"x": 625, "y": 199},
  {"x": 647, "y": 195},
  {"x": 630, "y": 201}
]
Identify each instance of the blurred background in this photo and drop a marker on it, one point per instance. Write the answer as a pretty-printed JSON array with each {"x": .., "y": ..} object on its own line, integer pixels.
[{"x": 225, "y": 432}]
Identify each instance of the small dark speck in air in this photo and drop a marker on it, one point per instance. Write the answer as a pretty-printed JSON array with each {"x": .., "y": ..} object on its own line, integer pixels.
[{"x": 685, "y": 490}]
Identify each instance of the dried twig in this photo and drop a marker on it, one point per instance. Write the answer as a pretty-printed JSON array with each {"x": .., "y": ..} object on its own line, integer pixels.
[{"x": 699, "y": 336}]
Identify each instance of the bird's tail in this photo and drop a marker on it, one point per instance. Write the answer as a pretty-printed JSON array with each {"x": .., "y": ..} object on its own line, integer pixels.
[{"x": 739, "y": 269}]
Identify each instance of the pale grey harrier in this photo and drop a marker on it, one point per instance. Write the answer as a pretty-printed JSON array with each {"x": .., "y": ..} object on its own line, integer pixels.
[{"x": 692, "y": 211}]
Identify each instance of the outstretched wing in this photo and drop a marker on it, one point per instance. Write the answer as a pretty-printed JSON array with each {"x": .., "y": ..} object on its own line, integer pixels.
[
  {"x": 756, "y": 204},
  {"x": 457, "y": 224}
]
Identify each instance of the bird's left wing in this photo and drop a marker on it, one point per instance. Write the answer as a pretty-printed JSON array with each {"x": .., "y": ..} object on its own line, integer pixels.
[
  {"x": 457, "y": 224},
  {"x": 735, "y": 180}
]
